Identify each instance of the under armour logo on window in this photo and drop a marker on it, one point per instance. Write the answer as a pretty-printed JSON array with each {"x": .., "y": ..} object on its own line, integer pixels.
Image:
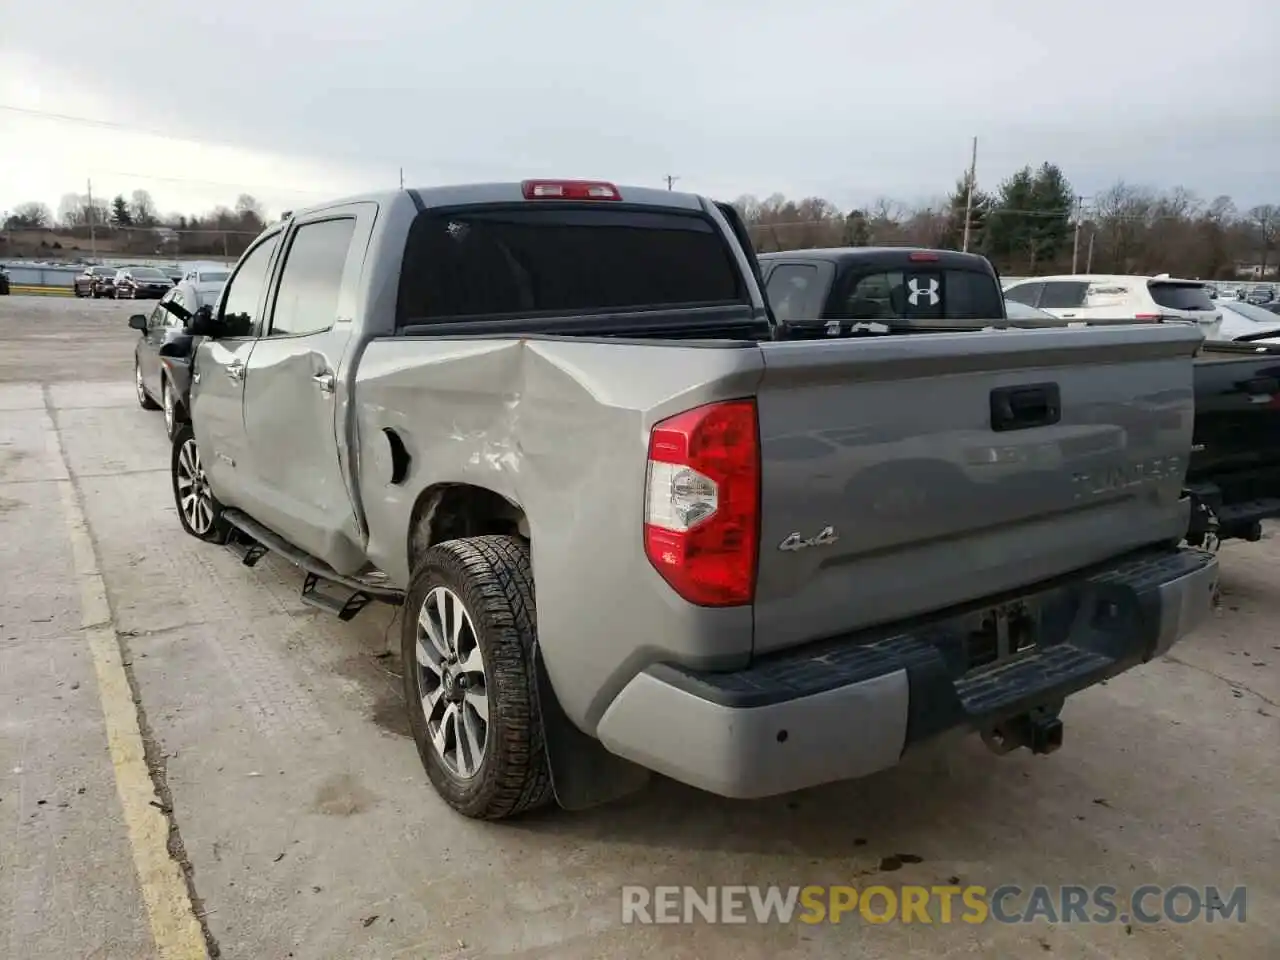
[{"x": 917, "y": 291}]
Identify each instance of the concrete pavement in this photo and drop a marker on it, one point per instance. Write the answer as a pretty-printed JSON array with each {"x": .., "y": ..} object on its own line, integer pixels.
[{"x": 279, "y": 757}]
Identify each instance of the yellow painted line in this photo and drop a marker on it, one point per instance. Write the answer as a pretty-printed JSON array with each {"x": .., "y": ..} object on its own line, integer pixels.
[
  {"x": 174, "y": 926},
  {"x": 22, "y": 289}
]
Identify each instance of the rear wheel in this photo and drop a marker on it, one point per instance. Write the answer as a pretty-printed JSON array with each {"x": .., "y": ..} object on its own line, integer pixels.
[
  {"x": 467, "y": 642},
  {"x": 198, "y": 509},
  {"x": 170, "y": 407},
  {"x": 144, "y": 398}
]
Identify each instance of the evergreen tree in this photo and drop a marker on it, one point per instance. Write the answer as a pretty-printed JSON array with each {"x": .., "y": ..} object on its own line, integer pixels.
[
  {"x": 979, "y": 212},
  {"x": 120, "y": 215},
  {"x": 1032, "y": 219},
  {"x": 857, "y": 232}
]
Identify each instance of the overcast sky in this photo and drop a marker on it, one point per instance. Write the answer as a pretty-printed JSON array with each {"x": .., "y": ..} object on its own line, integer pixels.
[{"x": 846, "y": 99}]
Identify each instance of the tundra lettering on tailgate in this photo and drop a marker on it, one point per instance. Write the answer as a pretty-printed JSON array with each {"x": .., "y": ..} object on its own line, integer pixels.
[{"x": 1125, "y": 476}]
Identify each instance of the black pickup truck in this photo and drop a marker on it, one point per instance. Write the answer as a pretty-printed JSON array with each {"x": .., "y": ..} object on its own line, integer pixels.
[{"x": 1234, "y": 473}]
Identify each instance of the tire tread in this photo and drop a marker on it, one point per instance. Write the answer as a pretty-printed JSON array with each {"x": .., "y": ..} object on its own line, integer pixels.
[{"x": 516, "y": 778}]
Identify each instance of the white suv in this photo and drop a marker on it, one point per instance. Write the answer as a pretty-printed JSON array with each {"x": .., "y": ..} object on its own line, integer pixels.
[{"x": 1094, "y": 297}]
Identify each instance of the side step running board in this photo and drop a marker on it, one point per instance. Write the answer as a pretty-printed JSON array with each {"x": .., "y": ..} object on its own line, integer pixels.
[{"x": 318, "y": 586}]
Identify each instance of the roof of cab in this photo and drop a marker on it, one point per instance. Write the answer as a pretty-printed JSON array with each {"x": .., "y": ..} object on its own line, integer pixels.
[
  {"x": 886, "y": 256},
  {"x": 512, "y": 192}
]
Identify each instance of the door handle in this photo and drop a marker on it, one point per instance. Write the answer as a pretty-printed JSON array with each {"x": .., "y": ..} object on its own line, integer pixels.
[
  {"x": 1023, "y": 407},
  {"x": 235, "y": 370},
  {"x": 325, "y": 381}
]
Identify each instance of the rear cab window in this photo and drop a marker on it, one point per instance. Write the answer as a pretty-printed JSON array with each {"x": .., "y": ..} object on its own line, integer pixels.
[
  {"x": 1180, "y": 296},
  {"x": 563, "y": 260},
  {"x": 920, "y": 294}
]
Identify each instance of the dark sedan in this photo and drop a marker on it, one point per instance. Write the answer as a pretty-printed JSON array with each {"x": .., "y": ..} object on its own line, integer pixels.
[
  {"x": 95, "y": 282},
  {"x": 163, "y": 381},
  {"x": 141, "y": 283}
]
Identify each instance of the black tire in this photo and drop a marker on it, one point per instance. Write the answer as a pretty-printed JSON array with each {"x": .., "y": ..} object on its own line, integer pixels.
[
  {"x": 493, "y": 578},
  {"x": 144, "y": 398},
  {"x": 217, "y": 529},
  {"x": 173, "y": 418}
]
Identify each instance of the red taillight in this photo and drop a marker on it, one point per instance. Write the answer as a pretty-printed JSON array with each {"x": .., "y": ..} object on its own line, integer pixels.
[
  {"x": 702, "y": 503},
  {"x": 1148, "y": 317},
  {"x": 569, "y": 190},
  {"x": 923, "y": 256}
]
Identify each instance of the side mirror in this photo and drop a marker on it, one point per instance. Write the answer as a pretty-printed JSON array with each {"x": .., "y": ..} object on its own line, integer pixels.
[{"x": 138, "y": 322}]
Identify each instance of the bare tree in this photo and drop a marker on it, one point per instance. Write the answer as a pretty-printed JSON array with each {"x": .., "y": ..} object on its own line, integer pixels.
[
  {"x": 143, "y": 209},
  {"x": 29, "y": 216}
]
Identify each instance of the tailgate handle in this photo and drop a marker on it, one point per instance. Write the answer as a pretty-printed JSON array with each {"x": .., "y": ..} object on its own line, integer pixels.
[
  {"x": 1262, "y": 386},
  {"x": 1024, "y": 407}
]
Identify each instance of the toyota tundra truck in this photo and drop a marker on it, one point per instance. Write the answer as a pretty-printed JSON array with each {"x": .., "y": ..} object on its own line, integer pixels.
[{"x": 637, "y": 524}]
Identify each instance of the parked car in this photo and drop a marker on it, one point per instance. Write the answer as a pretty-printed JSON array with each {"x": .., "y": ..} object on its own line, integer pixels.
[
  {"x": 1262, "y": 295},
  {"x": 1233, "y": 474},
  {"x": 4, "y": 282},
  {"x": 415, "y": 396},
  {"x": 141, "y": 283},
  {"x": 1147, "y": 298},
  {"x": 1089, "y": 296},
  {"x": 161, "y": 377},
  {"x": 1240, "y": 319},
  {"x": 208, "y": 279},
  {"x": 94, "y": 280}
]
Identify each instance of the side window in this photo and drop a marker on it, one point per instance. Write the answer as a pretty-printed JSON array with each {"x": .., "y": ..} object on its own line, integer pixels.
[
  {"x": 795, "y": 292},
  {"x": 1063, "y": 295},
  {"x": 157, "y": 318},
  {"x": 1027, "y": 293},
  {"x": 241, "y": 305},
  {"x": 307, "y": 298}
]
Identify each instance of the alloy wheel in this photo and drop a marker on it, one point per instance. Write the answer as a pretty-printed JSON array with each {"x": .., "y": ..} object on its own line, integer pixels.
[
  {"x": 194, "y": 497},
  {"x": 170, "y": 414},
  {"x": 452, "y": 683}
]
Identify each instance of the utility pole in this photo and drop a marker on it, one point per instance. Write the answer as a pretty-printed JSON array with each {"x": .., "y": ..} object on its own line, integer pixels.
[
  {"x": 1075, "y": 243},
  {"x": 402, "y": 178},
  {"x": 968, "y": 202},
  {"x": 1088, "y": 266},
  {"x": 671, "y": 181},
  {"x": 93, "y": 237}
]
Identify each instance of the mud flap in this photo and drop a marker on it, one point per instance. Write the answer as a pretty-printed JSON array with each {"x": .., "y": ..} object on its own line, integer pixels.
[{"x": 583, "y": 773}]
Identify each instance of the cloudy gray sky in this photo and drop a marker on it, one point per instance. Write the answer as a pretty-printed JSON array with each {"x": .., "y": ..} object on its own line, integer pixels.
[{"x": 845, "y": 99}]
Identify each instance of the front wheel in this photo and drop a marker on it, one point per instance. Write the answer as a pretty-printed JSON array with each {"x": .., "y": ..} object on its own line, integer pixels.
[
  {"x": 198, "y": 509},
  {"x": 467, "y": 639}
]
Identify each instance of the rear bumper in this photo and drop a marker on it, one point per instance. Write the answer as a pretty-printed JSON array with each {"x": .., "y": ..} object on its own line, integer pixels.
[{"x": 849, "y": 707}]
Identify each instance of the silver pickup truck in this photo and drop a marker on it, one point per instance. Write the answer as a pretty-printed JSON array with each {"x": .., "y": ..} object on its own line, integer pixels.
[{"x": 762, "y": 560}]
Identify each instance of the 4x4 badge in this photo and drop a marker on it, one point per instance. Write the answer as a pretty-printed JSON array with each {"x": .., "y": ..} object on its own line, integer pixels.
[{"x": 794, "y": 542}]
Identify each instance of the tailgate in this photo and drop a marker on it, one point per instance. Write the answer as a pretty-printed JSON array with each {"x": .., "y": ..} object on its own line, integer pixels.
[{"x": 903, "y": 475}]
